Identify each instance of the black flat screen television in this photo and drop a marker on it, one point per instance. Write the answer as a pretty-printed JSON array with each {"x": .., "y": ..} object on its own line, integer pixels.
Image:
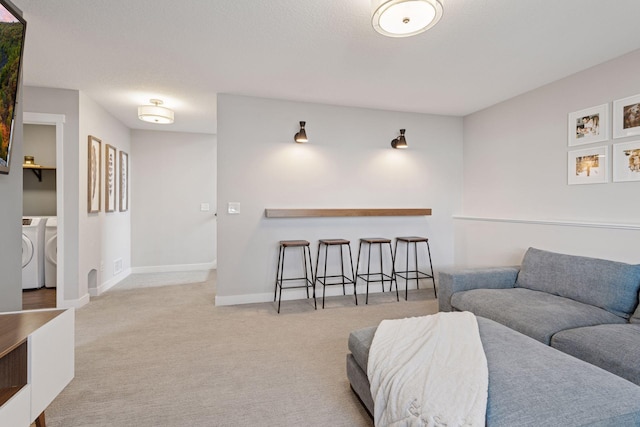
[{"x": 12, "y": 32}]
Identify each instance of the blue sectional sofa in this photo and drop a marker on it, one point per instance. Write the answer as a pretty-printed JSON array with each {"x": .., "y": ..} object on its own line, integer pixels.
[{"x": 585, "y": 307}]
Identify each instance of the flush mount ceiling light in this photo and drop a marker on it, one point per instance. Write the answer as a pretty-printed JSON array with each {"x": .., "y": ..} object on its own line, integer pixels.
[
  {"x": 399, "y": 142},
  {"x": 404, "y": 18},
  {"x": 301, "y": 136},
  {"x": 155, "y": 113}
]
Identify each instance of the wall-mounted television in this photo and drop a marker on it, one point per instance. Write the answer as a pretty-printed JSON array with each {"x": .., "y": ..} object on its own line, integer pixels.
[{"x": 12, "y": 32}]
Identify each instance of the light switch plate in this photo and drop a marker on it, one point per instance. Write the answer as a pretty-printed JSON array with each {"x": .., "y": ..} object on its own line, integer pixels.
[{"x": 233, "y": 208}]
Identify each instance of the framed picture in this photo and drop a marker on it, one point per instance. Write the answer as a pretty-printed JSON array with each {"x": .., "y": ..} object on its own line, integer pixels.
[
  {"x": 124, "y": 182},
  {"x": 626, "y": 161},
  {"x": 94, "y": 190},
  {"x": 588, "y": 166},
  {"x": 626, "y": 117},
  {"x": 110, "y": 178},
  {"x": 589, "y": 125}
]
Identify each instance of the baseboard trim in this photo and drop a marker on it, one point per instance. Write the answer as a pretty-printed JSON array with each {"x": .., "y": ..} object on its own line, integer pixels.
[
  {"x": 75, "y": 303},
  {"x": 297, "y": 294},
  {"x": 94, "y": 292},
  {"x": 174, "y": 268}
]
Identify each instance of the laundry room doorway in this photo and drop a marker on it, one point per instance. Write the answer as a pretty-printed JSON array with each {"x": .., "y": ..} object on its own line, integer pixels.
[{"x": 43, "y": 178}]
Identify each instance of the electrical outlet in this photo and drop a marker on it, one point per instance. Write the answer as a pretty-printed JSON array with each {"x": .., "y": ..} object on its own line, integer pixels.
[
  {"x": 101, "y": 266},
  {"x": 204, "y": 207},
  {"x": 117, "y": 266}
]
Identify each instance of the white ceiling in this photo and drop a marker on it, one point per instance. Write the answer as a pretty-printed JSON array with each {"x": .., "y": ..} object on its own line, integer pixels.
[{"x": 121, "y": 53}]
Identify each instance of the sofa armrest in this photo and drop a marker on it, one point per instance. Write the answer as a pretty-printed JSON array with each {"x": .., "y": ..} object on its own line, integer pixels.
[{"x": 452, "y": 281}]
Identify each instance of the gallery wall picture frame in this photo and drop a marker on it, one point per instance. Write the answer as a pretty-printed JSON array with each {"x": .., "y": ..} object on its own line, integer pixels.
[
  {"x": 626, "y": 117},
  {"x": 626, "y": 161},
  {"x": 588, "y": 166},
  {"x": 124, "y": 181},
  {"x": 110, "y": 178},
  {"x": 94, "y": 189},
  {"x": 589, "y": 125}
]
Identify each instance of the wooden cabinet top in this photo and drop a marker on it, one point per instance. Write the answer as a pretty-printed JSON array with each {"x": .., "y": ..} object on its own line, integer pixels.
[{"x": 16, "y": 327}]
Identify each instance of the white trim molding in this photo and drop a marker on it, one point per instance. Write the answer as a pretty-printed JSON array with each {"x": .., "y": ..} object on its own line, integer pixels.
[
  {"x": 174, "y": 268},
  {"x": 609, "y": 225}
]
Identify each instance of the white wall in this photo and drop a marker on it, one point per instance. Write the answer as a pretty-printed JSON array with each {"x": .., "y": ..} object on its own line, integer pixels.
[
  {"x": 347, "y": 163},
  {"x": 172, "y": 174},
  {"x": 515, "y": 168},
  {"x": 39, "y": 196},
  {"x": 104, "y": 237}
]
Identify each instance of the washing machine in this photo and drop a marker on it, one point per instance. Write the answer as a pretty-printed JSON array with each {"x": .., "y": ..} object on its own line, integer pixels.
[
  {"x": 33, "y": 252},
  {"x": 51, "y": 252}
]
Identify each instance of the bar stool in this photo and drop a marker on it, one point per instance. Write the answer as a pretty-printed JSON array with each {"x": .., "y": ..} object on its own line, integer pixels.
[
  {"x": 306, "y": 257},
  {"x": 324, "y": 278},
  {"x": 407, "y": 274},
  {"x": 379, "y": 241}
]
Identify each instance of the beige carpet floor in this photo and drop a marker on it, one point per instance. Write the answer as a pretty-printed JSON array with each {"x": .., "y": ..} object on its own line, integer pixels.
[{"x": 166, "y": 356}]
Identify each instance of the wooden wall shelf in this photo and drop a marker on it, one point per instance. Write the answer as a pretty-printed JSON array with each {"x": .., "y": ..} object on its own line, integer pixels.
[
  {"x": 37, "y": 170},
  {"x": 316, "y": 213}
]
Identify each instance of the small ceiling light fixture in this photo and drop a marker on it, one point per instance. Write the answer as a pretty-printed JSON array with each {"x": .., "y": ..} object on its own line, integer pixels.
[
  {"x": 399, "y": 142},
  {"x": 155, "y": 113},
  {"x": 404, "y": 18},
  {"x": 301, "y": 136}
]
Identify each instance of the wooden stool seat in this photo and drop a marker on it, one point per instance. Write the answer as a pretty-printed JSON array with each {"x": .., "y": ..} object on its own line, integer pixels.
[
  {"x": 332, "y": 242},
  {"x": 375, "y": 240},
  {"x": 294, "y": 243},
  {"x": 412, "y": 239}
]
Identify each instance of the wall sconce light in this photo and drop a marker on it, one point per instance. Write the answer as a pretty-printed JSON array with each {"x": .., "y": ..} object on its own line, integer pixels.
[
  {"x": 399, "y": 142},
  {"x": 155, "y": 113},
  {"x": 301, "y": 136}
]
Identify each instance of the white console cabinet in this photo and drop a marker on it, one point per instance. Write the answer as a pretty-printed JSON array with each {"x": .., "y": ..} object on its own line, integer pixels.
[{"x": 36, "y": 363}]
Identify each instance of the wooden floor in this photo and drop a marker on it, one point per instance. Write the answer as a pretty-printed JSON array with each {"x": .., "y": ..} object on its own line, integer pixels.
[{"x": 38, "y": 298}]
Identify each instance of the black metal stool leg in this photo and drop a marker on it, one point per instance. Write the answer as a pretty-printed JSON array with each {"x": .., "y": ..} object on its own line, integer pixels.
[
  {"x": 281, "y": 274},
  {"x": 366, "y": 301},
  {"x": 344, "y": 292},
  {"x": 324, "y": 281},
  {"x": 275, "y": 292},
  {"x": 353, "y": 277},
  {"x": 435, "y": 292},
  {"x": 415, "y": 254},
  {"x": 381, "y": 269},
  {"x": 312, "y": 282},
  {"x": 393, "y": 273}
]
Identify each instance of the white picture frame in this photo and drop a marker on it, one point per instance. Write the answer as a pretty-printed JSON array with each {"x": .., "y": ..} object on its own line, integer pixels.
[
  {"x": 626, "y": 161},
  {"x": 588, "y": 166},
  {"x": 626, "y": 117},
  {"x": 589, "y": 125}
]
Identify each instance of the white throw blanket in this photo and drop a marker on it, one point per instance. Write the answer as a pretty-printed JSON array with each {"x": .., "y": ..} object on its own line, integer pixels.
[{"x": 429, "y": 371}]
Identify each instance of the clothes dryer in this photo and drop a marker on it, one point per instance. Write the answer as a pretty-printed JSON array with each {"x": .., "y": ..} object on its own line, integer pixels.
[
  {"x": 33, "y": 252},
  {"x": 51, "y": 252}
]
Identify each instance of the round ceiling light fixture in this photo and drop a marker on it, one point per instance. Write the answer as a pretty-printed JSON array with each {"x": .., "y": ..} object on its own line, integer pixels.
[
  {"x": 155, "y": 113},
  {"x": 404, "y": 18}
]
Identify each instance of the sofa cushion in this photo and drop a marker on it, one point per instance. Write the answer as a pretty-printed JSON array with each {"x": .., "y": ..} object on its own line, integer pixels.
[
  {"x": 535, "y": 314},
  {"x": 611, "y": 347},
  {"x": 606, "y": 284},
  {"x": 360, "y": 343}
]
